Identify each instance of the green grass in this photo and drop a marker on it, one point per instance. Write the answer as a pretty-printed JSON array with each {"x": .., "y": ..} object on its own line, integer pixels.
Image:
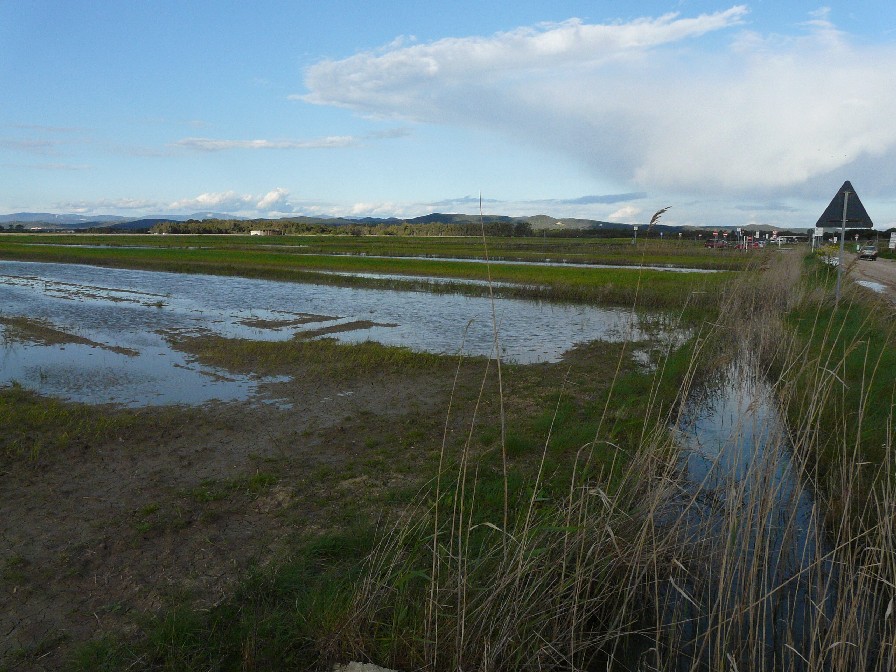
[
  {"x": 302, "y": 259},
  {"x": 848, "y": 382},
  {"x": 326, "y": 356},
  {"x": 37, "y": 428}
]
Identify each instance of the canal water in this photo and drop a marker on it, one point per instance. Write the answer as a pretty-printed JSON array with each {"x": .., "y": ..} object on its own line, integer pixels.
[
  {"x": 756, "y": 581},
  {"x": 128, "y": 313}
]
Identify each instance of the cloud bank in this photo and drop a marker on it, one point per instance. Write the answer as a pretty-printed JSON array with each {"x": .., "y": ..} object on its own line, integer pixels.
[{"x": 648, "y": 103}]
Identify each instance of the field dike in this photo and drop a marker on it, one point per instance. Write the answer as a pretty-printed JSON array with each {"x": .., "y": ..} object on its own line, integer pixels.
[{"x": 646, "y": 562}]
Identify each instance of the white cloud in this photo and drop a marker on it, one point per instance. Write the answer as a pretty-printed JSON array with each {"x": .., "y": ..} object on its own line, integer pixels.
[
  {"x": 213, "y": 145},
  {"x": 228, "y": 201},
  {"x": 644, "y": 103},
  {"x": 275, "y": 199},
  {"x": 627, "y": 215},
  {"x": 106, "y": 205}
]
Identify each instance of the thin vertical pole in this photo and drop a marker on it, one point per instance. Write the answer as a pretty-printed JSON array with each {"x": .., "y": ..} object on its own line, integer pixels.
[{"x": 840, "y": 260}]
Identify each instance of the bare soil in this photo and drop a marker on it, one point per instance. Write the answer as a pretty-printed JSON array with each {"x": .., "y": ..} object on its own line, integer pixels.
[{"x": 94, "y": 538}]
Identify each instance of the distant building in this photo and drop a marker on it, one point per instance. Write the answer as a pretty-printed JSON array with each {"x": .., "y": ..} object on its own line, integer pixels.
[
  {"x": 856, "y": 216},
  {"x": 265, "y": 232}
]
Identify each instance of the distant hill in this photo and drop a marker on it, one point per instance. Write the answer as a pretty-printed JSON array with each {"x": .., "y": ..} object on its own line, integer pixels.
[
  {"x": 538, "y": 223},
  {"x": 116, "y": 222},
  {"x": 59, "y": 220}
]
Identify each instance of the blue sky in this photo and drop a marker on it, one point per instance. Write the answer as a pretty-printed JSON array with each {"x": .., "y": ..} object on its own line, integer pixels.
[{"x": 732, "y": 114}]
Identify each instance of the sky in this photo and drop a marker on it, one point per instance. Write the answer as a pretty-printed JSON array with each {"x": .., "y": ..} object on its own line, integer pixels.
[{"x": 728, "y": 114}]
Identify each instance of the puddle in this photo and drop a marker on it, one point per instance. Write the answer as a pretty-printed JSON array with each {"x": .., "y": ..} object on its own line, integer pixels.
[
  {"x": 873, "y": 286},
  {"x": 434, "y": 281},
  {"x": 134, "y": 310}
]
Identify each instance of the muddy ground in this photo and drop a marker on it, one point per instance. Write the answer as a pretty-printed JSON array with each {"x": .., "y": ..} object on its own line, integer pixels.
[
  {"x": 175, "y": 509},
  {"x": 179, "y": 507}
]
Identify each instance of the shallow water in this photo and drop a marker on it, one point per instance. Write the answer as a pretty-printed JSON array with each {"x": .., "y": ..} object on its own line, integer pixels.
[
  {"x": 135, "y": 309},
  {"x": 518, "y": 262},
  {"x": 873, "y": 286},
  {"x": 754, "y": 523}
]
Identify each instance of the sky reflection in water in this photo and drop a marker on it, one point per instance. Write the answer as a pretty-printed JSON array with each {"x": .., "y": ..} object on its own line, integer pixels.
[{"x": 135, "y": 309}]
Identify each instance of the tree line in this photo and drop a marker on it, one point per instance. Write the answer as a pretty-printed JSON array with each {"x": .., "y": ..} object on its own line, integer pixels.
[{"x": 288, "y": 227}]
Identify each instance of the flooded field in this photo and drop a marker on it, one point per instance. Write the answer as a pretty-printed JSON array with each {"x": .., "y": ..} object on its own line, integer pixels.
[{"x": 124, "y": 318}]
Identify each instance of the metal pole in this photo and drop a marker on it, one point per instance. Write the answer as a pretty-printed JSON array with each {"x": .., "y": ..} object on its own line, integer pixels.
[{"x": 840, "y": 260}]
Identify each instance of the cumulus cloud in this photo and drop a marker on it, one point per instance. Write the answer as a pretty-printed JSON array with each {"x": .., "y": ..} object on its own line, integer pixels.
[
  {"x": 228, "y": 201},
  {"x": 627, "y": 214},
  {"x": 643, "y": 102},
  {"x": 275, "y": 199}
]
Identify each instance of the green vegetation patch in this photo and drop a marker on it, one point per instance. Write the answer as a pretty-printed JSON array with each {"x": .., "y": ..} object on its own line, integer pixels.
[
  {"x": 36, "y": 427},
  {"x": 323, "y": 355}
]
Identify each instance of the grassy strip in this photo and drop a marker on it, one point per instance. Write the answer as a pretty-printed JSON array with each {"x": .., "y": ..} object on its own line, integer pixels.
[
  {"x": 322, "y": 357},
  {"x": 684, "y": 253}
]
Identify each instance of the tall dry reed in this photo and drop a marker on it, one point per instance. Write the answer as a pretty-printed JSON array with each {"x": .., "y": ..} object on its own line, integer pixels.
[{"x": 675, "y": 555}]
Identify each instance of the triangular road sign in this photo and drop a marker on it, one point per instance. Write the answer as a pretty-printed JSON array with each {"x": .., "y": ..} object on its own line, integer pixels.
[{"x": 856, "y": 216}]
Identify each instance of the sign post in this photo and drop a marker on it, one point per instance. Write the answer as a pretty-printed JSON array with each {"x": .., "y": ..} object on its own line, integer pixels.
[{"x": 840, "y": 259}]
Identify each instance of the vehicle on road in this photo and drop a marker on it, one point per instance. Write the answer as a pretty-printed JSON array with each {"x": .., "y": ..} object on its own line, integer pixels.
[
  {"x": 715, "y": 242},
  {"x": 868, "y": 252}
]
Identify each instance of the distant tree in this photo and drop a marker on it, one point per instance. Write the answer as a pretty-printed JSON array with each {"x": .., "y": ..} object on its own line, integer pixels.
[{"x": 522, "y": 229}]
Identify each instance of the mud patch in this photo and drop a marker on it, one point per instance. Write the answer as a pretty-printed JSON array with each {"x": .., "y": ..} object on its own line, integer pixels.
[
  {"x": 345, "y": 327},
  {"x": 42, "y": 332},
  {"x": 275, "y": 324}
]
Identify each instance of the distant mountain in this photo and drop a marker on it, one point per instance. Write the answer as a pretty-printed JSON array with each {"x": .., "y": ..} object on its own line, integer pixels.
[
  {"x": 71, "y": 221},
  {"x": 60, "y": 220},
  {"x": 540, "y": 222}
]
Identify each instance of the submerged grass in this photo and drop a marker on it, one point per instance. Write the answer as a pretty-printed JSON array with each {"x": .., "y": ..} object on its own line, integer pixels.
[{"x": 615, "y": 286}]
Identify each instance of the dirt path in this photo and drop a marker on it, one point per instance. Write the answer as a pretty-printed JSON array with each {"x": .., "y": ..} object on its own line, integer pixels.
[{"x": 881, "y": 272}]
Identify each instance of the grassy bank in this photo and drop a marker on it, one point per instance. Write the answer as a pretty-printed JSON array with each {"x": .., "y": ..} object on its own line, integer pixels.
[
  {"x": 842, "y": 390},
  {"x": 650, "y": 252}
]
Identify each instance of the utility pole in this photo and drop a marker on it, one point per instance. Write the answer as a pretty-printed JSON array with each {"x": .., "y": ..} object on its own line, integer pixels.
[{"x": 840, "y": 259}]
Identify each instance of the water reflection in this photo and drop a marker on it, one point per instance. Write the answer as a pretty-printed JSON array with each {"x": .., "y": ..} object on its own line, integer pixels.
[
  {"x": 759, "y": 577},
  {"x": 136, "y": 309}
]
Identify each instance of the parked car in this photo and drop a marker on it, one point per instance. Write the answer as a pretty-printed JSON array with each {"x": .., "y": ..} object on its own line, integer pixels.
[
  {"x": 868, "y": 252},
  {"x": 715, "y": 242}
]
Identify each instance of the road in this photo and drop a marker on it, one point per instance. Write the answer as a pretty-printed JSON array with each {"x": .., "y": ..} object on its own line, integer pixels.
[{"x": 881, "y": 272}]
